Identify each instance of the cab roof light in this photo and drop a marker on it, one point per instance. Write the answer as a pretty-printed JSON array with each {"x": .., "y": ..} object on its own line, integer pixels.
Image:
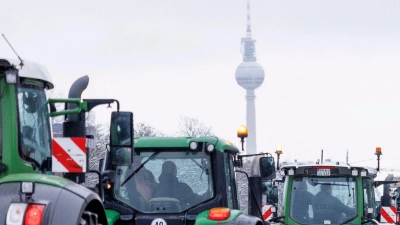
[
  {"x": 291, "y": 172},
  {"x": 282, "y": 172},
  {"x": 364, "y": 173},
  {"x": 16, "y": 213},
  {"x": 354, "y": 172},
  {"x": 34, "y": 214},
  {"x": 219, "y": 213},
  {"x": 210, "y": 147},
  {"x": 11, "y": 76},
  {"x": 193, "y": 145}
]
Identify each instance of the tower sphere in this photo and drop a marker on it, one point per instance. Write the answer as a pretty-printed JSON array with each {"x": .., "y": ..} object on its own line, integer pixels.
[{"x": 249, "y": 75}]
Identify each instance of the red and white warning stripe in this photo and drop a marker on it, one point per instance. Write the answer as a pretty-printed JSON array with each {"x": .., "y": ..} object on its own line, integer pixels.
[
  {"x": 69, "y": 155},
  {"x": 388, "y": 214},
  {"x": 266, "y": 212}
]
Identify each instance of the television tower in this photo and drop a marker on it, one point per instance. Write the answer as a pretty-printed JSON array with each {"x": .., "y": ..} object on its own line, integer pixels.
[{"x": 249, "y": 75}]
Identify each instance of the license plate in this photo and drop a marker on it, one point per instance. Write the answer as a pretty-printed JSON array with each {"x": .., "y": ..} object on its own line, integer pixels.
[{"x": 323, "y": 172}]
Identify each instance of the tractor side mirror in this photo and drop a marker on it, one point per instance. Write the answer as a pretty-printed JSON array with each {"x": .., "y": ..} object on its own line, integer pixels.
[
  {"x": 270, "y": 191},
  {"x": 121, "y": 138},
  {"x": 272, "y": 197},
  {"x": 267, "y": 168}
]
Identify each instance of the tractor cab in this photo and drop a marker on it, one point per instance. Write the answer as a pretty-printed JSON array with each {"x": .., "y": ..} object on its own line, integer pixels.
[
  {"x": 175, "y": 180},
  {"x": 25, "y": 117},
  {"x": 329, "y": 193}
]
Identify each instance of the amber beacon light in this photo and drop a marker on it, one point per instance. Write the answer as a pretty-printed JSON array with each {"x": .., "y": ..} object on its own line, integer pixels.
[{"x": 242, "y": 133}]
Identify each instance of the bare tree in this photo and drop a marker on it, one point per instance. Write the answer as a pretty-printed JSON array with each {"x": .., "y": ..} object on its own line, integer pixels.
[
  {"x": 101, "y": 139},
  {"x": 192, "y": 127},
  {"x": 146, "y": 130}
]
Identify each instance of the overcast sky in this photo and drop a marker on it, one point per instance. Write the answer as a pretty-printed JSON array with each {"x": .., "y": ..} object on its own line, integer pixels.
[{"x": 331, "y": 67}]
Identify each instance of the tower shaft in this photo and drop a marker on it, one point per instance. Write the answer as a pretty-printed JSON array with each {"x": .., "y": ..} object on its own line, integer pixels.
[{"x": 251, "y": 146}]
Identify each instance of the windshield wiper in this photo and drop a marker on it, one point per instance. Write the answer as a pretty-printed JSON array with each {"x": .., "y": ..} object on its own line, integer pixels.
[
  {"x": 140, "y": 167},
  {"x": 332, "y": 184}
]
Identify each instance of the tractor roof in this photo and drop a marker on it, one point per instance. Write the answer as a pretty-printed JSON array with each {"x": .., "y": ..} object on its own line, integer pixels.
[
  {"x": 371, "y": 171},
  {"x": 183, "y": 142},
  {"x": 29, "y": 70}
]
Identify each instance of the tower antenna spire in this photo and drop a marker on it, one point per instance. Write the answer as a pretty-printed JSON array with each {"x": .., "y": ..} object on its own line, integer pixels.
[
  {"x": 248, "y": 30},
  {"x": 248, "y": 48}
]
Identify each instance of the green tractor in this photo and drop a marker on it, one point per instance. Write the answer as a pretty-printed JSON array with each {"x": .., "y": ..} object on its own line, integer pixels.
[
  {"x": 184, "y": 180},
  {"x": 29, "y": 192},
  {"x": 329, "y": 193}
]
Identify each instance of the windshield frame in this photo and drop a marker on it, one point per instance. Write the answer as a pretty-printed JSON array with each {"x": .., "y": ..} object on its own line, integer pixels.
[
  {"x": 34, "y": 127},
  {"x": 194, "y": 168},
  {"x": 341, "y": 188}
]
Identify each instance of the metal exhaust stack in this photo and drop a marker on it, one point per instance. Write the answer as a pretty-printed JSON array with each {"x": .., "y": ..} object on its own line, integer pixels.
[{"x": 74, "y": 125}]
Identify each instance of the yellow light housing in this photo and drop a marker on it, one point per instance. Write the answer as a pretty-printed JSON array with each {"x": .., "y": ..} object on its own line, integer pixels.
[
  {"x": 242, "y": 131},
  {"x": 279, "y": 149},
  {"x": 378, "y": 151}
]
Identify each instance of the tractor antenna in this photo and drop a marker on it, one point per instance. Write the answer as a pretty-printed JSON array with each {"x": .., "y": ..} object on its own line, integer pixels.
[
  {"x": 322, "y": 156},
  {"x": 22, "y": 62}
]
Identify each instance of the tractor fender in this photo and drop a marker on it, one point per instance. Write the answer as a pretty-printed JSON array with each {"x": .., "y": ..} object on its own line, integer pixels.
[
  {"x": 76, "y": 199},
  {"x": 64, "y": 204}
]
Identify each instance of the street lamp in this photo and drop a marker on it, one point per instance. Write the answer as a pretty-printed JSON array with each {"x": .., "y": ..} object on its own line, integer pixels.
[
  {"x": 278, "y": 152},
  {"x": 242, "y": 133}
]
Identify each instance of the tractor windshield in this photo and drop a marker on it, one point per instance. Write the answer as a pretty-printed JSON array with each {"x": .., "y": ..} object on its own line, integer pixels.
[
  {"x": 165, "y": 182},
  {"x": 322, "y": 200},
  {"x": 34, "y": 123}
]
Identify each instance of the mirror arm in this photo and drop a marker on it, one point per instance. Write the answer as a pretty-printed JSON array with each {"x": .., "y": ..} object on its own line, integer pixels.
[
  {"x": 91, "y": 103},
  {"x": 263, "y": 154},
  {"x": 278, "y": 181}
]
